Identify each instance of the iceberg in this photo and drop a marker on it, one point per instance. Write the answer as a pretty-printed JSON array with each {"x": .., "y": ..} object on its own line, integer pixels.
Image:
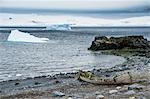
[
  {"x": 59, "y": 27},
  {"x": 19, "y": 36}
]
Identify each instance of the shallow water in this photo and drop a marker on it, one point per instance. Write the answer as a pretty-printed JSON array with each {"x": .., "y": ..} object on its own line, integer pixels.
[{"x": 65, "y": 52}]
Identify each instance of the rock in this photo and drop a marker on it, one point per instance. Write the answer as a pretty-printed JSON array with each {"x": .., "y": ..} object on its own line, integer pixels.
[
  {"x": 16, "y": 83},
  {"x": 131, "y": 42},
  {"x": 132, "y": 98},
  {"x": 99, "y": 97},
  {"x": 57, "y": 82},
  {"x": 113, "y": 91},
  {"x": 97, "y": 93},
  {"x": 37, "y": 83},
  {"x": 69, "y": 98},
  {"x": 124, "y": 88},
  {"x": 142, "y": 97},
  {"x": 148, "y": 82},
  {"x": 58, "y": 94},
  {"x": 136, "y": 87},
  {"x": 118, "y": 87},
  {"x": 10, "y": 18},
  {"x": 130, "y": 92}
]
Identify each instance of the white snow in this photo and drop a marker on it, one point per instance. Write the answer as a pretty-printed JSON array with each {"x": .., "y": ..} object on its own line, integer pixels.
[
  {"x": 19, "y": 36},
  {"x": 59, "y": 21}
]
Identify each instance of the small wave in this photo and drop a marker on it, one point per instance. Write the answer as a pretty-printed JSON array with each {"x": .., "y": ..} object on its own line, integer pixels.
[{"x": 19, "y": 36}]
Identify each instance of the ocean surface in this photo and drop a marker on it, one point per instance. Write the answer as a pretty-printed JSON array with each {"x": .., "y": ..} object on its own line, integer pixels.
[{"x": 66, "y": 51}]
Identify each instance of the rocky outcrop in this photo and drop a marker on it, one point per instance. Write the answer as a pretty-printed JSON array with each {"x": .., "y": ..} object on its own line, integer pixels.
[
  {"x": 131, "y": 42},
  {"x": 129, "y": 72}
]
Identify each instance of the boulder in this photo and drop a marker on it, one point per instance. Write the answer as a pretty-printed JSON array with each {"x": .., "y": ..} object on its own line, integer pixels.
[
  {"x": 113, "y": 91},
  {"x": 131, "y": 42},
  {"x": 58, "y": 94},
  {"x": 136, "y": 87},
  {"x": 130, "y": 92},
  {"x": 100, "y": 97}
]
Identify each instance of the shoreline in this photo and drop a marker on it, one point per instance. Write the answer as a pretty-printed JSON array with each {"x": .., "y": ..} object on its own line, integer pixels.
[{"x": 44, "y": 86}]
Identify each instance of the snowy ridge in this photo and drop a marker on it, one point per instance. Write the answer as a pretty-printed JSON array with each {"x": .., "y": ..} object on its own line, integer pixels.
[{"x": 64, "y": 22}]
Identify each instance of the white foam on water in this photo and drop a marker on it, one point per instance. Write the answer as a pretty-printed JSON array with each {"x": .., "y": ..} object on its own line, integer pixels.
[
  {"x": 9, "y": 76},
  {"x": 19, "y": 36},
  {"x": 18, "y": 75}
]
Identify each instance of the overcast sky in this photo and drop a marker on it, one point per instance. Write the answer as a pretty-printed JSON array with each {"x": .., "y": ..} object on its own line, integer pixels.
[{"x": 77, "y": 4}]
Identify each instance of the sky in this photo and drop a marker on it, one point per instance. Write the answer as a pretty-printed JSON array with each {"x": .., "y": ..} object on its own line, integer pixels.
[{"x": 77, "y": 4}]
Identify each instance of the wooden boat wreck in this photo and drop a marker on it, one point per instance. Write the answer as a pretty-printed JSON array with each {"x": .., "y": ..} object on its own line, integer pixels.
[{"x": 123, "y": 78}]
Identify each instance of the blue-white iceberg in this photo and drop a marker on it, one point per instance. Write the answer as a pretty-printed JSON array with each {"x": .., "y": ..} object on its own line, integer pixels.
[
  {"x": 19, "y": 36},
  {"x": 59, "y": 27}
]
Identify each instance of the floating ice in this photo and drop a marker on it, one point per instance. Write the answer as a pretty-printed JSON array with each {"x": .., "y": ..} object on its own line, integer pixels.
[
  {"x": 59, "y": 27},
  {"x": 19, "y": 36}
]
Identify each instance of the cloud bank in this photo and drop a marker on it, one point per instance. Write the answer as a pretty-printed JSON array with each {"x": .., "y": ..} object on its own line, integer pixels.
[{"x": 103, "y": 5}]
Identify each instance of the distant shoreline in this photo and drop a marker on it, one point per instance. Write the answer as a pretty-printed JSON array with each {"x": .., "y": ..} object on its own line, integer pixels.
[
  {"x": 76, "y": 29},
  {"x": 77, "y": 26}
]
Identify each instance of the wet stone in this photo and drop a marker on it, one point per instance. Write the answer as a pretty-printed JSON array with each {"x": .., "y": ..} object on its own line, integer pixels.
[
  {"x": 132, "y": 98},
  {"x": 142, "y": 97},
  {"x": 16, "y": 84},
  {"x": 97, "y": 93},
  {"x": 100, "y": 97},
  {"x": 118, "y": 87},
  {"x": 136, "y": 87},
  {"x": 69, "y": 98},
  {"x": 113, "y": 91},
  {"x": 130, "y": 92},
  {"x": 148, "y": 82},
  {"x": 58, "y": 94},
  {"x": 57, "y": 81},
  {"x": 37, "y": 83}
]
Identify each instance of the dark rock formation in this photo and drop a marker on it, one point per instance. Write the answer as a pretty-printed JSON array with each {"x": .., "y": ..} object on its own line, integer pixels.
[{"x": 131, "y": 42}]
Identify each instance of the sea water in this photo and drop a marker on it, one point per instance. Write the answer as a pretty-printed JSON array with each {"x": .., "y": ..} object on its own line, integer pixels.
[{"x": 65, "y": 52}]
